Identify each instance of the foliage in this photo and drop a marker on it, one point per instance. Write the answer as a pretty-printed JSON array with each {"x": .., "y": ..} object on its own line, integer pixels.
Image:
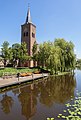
[
  {"x": 17, "y": 54},
  {"x": 1, "y": 58},
  {"x": 14, "y": 71},
  {"x": 57, "y": 56},
  {"x": 67, "y": 56},
  {"x": 54, "y": 56},
  {"x": 78, "y": 63},
  {"x": 54, "y": 60},
  {"x": 73, "y": 110},
  {"x": 44, "y": 53},
  {"x": 5, "y": 51},
  {"x": 34, "y": 51},
  {"x": 23, "y": 54}
]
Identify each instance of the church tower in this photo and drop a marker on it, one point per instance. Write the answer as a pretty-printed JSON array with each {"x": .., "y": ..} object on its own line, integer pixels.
[{"x": 28, "y": 35}]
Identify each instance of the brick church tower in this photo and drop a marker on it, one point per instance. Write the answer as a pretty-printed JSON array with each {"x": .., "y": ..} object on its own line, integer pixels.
[{"x": 28, "y": 35}]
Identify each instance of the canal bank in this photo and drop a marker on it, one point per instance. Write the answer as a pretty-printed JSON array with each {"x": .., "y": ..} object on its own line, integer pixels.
[
  {"x": 39, "y": 99},
  {"x": 15, "y": 80}
]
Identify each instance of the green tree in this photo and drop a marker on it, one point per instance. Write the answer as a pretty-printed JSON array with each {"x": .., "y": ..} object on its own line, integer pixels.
[
  {"x": 34, "y": 49},
  {"x": 62, "y": 44},
  {"x": 15, "y": 54},
  {"x": 23, "y": 56},
  {"x": 44, "y": 52},
  {"x": 71, "y": 58},
  {"x": 1, "y": 59},
  {"x": 54, "y": 60},
  {"x": 5, "y": 51},
  {"x": 35, "y": 53},
  {"x": 11, "y": 54},
  {"x": 78, "y": 63},
  {"x": 20, "y": 54},
  {"x": 67, "y": 56},
  {"x": 57, "y": 56}
]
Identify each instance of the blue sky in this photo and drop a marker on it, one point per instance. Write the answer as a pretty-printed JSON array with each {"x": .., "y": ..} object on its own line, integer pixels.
[{"x": 53, "y": 19}]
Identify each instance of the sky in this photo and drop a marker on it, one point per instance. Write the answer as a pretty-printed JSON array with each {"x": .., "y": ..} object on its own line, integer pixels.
[{"x": 53, "y": 19}]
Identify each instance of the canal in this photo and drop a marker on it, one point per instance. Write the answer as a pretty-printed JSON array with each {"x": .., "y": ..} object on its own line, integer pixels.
[{"x": 41, "y": 99}]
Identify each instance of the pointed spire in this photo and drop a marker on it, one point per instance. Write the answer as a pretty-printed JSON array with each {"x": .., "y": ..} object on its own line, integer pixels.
[{"x": 28, "y": 18}]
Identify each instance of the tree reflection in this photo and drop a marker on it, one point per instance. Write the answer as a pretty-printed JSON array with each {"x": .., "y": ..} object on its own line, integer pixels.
[
  {"x": 57, "y": 89},
  {"x": 6, "y": 103},
  {"x": 16, "y": 91},
  {"x": 49, "y": 91},
  {"x": 28, "y": 101}
]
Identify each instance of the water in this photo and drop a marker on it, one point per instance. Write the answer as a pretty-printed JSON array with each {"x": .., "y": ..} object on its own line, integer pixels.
[{"x": 39, "y": 100}]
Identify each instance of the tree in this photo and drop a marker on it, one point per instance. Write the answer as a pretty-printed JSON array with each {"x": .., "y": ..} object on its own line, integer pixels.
[
  {"x": 1, "y": 59},
  {"x": 15, "y": 54},
  {"x": 35, "y": 53},
  {"x": 71, "y": 58},
  {"x": 53, "y": 62},
  {"x": 34, "y": 49},
  {"x": 57, "y": 56},
  {"x": 61, "y": 43},
  {"x": 78, "y": 62},
  {"x": 23, "y": 54},
  {"x": 20, "y": 54},
  {"x": 44, "y": 52},
  {"x": 5, "y": 51},
  {"x": 67, "y": 56}
]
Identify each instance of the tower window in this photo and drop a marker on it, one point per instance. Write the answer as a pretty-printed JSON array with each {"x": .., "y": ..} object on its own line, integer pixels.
[
  {"x": 33, "y": 35},
  {"x": 26, "y": 33}
]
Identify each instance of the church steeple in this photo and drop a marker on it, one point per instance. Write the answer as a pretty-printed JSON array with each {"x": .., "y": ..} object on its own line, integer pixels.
[
  {"x": 28, "y": 35},
  {"x": 28, "y": 18}
]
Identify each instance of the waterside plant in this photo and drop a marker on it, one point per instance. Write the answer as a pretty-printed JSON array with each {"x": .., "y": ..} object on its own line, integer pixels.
[{"x": 73, "y": 111}]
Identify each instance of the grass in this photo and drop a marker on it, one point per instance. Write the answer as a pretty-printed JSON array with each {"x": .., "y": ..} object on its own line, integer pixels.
[
  {"x": 63, "y": 73},
  {"x": 14, "y": 71}
]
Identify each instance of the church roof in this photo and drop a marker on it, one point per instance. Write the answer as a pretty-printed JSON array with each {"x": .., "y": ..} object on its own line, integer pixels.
[{"x": 28, "y": 18}]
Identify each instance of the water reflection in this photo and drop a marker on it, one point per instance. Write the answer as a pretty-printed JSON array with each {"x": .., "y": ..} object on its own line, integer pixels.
[
  {"x": 57, "y": 89},
  {"x": 48, "y": 92},
  {"x": 28, "y": 101},
  {"x": 6, "y": 102}
]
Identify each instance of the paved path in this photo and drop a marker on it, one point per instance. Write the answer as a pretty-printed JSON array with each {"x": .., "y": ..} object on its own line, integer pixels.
[{"x": 13, "y": 81}]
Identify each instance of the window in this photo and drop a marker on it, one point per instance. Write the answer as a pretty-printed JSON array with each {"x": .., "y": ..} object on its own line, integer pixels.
[
  {"x": 33, "y": 35},
  {"x": 26, "y": 33}
]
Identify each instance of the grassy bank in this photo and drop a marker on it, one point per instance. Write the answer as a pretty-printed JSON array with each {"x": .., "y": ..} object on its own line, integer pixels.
[
  {"x": 14, "y": 71},
  {"x": 62, "y": 73}
]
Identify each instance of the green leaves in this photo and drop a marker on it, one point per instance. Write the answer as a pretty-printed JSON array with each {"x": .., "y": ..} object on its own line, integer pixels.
[
  {"x": 73, "y": 110},
  {"x": 16, "y": 54},
  {"x": 5, "y": 51},
  {"x": 67, "y": 56},
  {"x": 19, "y": 53},
  {"x": 54, "y": 56},
  {"x": 50, "y": 119},
  {"x": 57, "y": 56}
]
